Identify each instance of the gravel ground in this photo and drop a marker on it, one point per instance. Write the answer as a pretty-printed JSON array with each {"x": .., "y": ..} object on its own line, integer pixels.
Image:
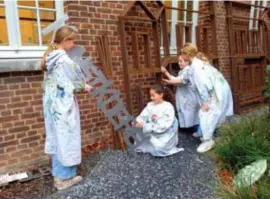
[
  {"x": 43, "y": 187},
  {"x": 119, "y": 175}
]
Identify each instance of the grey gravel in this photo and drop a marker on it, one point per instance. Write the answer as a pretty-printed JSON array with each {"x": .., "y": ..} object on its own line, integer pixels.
[{"x": 119, "y": 175}]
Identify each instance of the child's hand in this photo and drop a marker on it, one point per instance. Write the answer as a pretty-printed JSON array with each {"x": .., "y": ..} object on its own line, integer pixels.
[
  {"x": 163, "y": 69},
  {"x": 88, "y": 88},
  {"x": 205, "y": 107},
  {"x": 166, "y": 81},
  {"x": 139, "y": 124}
]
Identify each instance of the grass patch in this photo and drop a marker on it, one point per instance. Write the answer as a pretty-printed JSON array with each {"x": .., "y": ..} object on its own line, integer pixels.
[{"x": 241, "y": 144}]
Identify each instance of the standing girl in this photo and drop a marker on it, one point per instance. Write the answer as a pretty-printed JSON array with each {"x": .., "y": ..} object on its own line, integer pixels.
[
  {"x": 214, "y": 94},
  {"x": 186, "y": 96},
  {"x": 62, "y": 79},
  {"x": 158, "y": 120}
]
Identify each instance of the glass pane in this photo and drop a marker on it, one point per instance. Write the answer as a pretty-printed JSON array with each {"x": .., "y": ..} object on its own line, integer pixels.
[
  {"x": 46, "y": 19},
  {"x": 189, "y": 7},
  {"x": 168, "y": 11},
  {"x": 28, "y": 27},
  {"x": 26, "y": 3},
  {"x": 181, "y": 5},
  {"x": 47, "y": 16},
  {"x": 48, "y": 38},
  {"x": 3, "y": 28},
  {"x": 46, "y": 4}
]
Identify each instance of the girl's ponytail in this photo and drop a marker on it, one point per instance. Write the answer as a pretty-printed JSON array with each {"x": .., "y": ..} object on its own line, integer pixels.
[
  {"x": 202, "y": 57},
  {"x": 51, "y": 47}
]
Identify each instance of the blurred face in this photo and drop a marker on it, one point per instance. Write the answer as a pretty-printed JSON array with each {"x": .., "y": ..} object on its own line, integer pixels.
[
  {"x": 182, "y": 63},
  {"x": 156, "y": 97},
  {"x": 68, "y": 44}
]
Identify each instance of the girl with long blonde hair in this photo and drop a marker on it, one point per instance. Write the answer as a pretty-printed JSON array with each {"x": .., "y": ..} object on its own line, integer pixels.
[
  {"x": 62, "y": 78},
  {"x": 215, "y": 95}
]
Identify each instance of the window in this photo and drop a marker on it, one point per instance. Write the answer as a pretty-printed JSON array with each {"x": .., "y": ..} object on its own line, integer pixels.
[
  {"x": 181, "y": 17},
  {"x": 255, "y": 12},
  {"x": 21, "y": 23}
]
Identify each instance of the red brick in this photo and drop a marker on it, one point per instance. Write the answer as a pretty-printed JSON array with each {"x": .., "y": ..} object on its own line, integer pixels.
[
  {"x": 26, "y": 85},
  {"x": 11, "y": 149},
  {"x": 30, "y": 121},
  {"x": 6, "y": 113},
  {"x": 3, "y": 163},
  {"x": 77, "y": 7},
  {"x": 35, "y": 79},
  {"x": 13, "y": 86},
  {"x": 8, "y": 118},
  {"x": 17, "y": 111},
  {"x": 36, "y": 126},
  {"x": 36, "y": 102},
  {"x": 32, "y": 132},
  {"x": 20, "y": 135},
  {"x": 19, "y": 129},
  {"x": 26, "y": 91},
  {"x": 22, "y": 146},
  {"x": 3, "y": 87},
  {"x": 17, "y": 105},
  {"x": 15, "y": 99},
  {"x": 18, "y": 123},
  {"x": 31, "y": 144},
  {"x": 9, "y": 137},
  {"x": 14, "y": 80},
  {"x": 29, "y": 115},
  {"x": 10, "y": 143},
  {"x": 25, "y": 158},
  {"x": 36, "y": 85},
  {"x": 13, "y": 161},
  {"x": 4, "y": 100},
  {"x": 28, "y": 110},
  {"x": 27, "y": 98},
  {"x": 4, "y": 94},
  {"x": 21, "y": 153},
  {"x": 30, "y": 139}
]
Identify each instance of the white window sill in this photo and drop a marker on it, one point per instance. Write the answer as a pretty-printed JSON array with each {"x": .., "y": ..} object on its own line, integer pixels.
[
  {"x": 11, "y": 65},
  {"x": 23, "y": 52}
]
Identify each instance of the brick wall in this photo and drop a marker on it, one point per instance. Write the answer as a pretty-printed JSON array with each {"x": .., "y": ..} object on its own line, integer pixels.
[
  {"x": 21, "y": 121},
  {"x": 222, "y": 39}
]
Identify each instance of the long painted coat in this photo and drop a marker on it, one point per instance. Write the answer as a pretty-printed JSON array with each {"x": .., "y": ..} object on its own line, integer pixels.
[
  {"x": 61, "y": 112},
  {"x": 186, "y": 99},
  {"x": 162, "y": 126},
  {"x": 213, "y": 90}
]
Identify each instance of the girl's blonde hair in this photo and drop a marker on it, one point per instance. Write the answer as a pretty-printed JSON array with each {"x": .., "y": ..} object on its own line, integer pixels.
[
  {"x": 191, "y": 50},
  {"x": 61, "y": 34},
  {"x": 186, "y": 58}
]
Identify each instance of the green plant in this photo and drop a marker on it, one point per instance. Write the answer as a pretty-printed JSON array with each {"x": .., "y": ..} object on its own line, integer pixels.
[
  {"x": 244, "y": 142},
  {"x": 241, "y": 144},
  {"x": 267, "y": 81}
]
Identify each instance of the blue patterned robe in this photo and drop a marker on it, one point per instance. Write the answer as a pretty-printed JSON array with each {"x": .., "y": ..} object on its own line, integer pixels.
[{"x": 61, "y": 112}]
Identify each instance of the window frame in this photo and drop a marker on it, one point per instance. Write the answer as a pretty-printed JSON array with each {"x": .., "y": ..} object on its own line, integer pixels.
[
  {"x": 15, "y": 49},
  {"x": 253, "y": 24},
  {"x": 174, "y": 20}
]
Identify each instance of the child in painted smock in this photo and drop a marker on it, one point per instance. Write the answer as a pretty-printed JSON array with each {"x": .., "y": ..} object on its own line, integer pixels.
[
  {"x": 158, "y": 120},
  {"x": 214, "y": 95},
  {"x": 186, "y": 96},
  {"x": 62, "y": 79}
]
